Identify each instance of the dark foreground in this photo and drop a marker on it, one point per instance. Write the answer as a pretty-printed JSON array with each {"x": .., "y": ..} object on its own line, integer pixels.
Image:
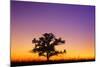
[{"x": 23, "y": 63}]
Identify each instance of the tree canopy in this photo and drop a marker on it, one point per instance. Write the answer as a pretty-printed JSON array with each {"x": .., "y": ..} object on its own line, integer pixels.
[{"x": 45, "y": 45}]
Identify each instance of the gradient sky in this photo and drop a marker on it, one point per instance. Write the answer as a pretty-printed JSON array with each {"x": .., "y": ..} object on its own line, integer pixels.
[{"x": 74, "y": 23}]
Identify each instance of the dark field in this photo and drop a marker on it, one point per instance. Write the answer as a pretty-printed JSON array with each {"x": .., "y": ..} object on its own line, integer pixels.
[{"x": 24, "y": 63}]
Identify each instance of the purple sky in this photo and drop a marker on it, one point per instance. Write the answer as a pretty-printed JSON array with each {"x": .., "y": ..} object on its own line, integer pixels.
[{"x": 68, "y": 17}]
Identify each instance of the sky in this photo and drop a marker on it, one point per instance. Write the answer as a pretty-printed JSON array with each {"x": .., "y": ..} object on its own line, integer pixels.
[{"x": 73, "y": 23}]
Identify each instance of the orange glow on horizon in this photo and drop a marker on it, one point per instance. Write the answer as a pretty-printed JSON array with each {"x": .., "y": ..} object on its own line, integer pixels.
[{"x": 25, "y": 55}]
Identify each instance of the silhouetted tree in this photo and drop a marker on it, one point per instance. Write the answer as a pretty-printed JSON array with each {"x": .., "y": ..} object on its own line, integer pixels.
[{"x": 45, "y": 45}]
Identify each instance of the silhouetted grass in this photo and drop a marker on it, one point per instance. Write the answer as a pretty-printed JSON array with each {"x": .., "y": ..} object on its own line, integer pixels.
[{"x": 25, "y": 63}]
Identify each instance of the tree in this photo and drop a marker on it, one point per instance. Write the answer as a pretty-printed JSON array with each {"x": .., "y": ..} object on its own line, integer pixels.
[{"x": 45, "y": 45}]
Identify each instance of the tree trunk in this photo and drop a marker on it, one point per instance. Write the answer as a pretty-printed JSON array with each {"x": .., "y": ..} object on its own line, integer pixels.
[
  {"x": 48, "y": 51},
  {"x": 47, "y": 57}
]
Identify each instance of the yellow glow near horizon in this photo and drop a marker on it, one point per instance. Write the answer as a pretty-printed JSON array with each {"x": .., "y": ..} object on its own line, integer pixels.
[{"x": 23, "y": 53}]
